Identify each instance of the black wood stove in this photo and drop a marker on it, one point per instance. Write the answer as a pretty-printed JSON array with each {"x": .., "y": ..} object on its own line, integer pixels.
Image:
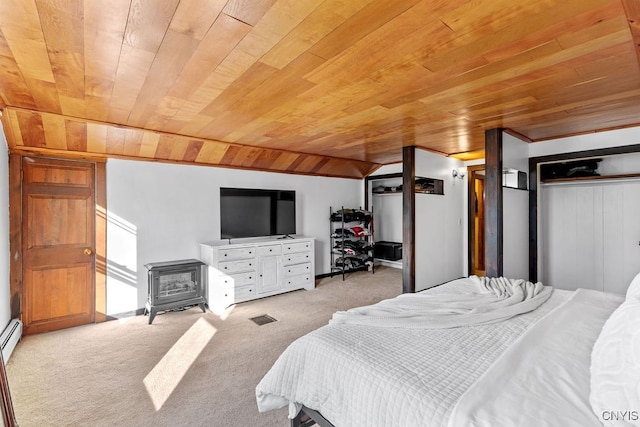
[{"x": 174, "y": 285}]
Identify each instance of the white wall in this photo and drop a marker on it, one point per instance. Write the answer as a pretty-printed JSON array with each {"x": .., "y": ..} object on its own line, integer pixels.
[
  {"x": 439, "y": 223},
  {"x": 590, "y": 141},
  {"x": 620, "y": 164},
  {"x": 161, "y": 212},
  {"x": 5, "y": 256},
  {"x": 440, "y": 220},
  {"x": 387, "y": 208},
  {"x": 515, "y": 212},
  {"x": 389, "y": 169}
]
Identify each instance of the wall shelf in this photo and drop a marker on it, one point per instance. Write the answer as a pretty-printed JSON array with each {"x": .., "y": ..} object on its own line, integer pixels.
[
  {"x": 592, "y": 178},
  {"x": 423, "y": 185}
]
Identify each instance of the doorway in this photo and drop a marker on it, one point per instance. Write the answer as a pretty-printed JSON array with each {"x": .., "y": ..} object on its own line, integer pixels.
[{"x": 476, "y": 237}]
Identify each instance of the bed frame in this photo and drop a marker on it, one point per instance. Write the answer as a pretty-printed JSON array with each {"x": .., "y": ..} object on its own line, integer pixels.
[{"x": 308, "y": 417}]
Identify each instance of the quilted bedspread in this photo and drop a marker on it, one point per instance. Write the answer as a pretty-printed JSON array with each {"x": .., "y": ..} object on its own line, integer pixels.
[
  {"x": 358, "y": 375},
  {"x": 543, "y": 378}
]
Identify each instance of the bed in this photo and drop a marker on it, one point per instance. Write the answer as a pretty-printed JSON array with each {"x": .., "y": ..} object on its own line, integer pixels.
[{"x": 558, "y": 358}]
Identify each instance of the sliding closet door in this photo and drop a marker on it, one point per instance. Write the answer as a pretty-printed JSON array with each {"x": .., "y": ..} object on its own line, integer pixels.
[
  {"x": 572, "y": 236},
  {"x": 627, "y": 254},
  {"x": 590, "y": 235}
]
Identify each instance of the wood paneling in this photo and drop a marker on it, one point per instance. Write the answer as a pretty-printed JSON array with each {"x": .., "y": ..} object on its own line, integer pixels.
[
  {"x": 305, "y": 86},
  {"x": 34, "y": 132}
]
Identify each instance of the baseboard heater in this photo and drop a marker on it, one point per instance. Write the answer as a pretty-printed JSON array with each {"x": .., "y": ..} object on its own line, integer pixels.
[{"x": 10, "y": 337}]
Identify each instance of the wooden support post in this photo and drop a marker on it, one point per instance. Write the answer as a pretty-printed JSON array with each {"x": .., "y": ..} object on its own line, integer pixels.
[
  {"x": 493, "y": 203},
  {"x": 408, "y": 219},
  {"x": 533, "y": 221}
]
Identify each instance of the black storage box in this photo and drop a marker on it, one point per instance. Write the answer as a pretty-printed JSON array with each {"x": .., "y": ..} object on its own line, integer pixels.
[{"x": 391, "y": 251}]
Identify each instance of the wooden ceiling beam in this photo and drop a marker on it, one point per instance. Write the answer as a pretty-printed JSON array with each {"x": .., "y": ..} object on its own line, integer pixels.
[{"x": 33, "y": 131}]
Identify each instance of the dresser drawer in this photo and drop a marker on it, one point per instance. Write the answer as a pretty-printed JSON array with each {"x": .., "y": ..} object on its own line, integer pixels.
[
  {"x": 269, "y": 250},
  {"x": 297, "y": 281},
  {"x": 240, "y": 266},
  {"x": 296, "y": 258},
  {"x": 230, "y": 254},
  {"x": 297, "y": 269},
  {"x": 230, "y": 280},
  {"x": 239, "y": 294},
  {"x": 289, "y": 248}
]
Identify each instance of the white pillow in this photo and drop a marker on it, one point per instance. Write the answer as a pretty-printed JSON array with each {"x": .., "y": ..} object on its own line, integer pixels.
[
  {"x": 633, "y": 291},
  {"x": 615, "y": 367}
]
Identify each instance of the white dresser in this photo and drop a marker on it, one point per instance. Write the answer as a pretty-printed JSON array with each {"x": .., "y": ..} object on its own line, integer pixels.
[{"x": 244, "y": 271}]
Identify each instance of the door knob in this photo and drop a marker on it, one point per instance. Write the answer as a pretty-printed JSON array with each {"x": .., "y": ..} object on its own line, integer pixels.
[{"x": 88, "y": 251}]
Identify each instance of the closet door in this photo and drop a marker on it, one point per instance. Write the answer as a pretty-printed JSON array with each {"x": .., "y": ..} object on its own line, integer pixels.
[
  {"x": 572, "y": 236},
  {"x": 590, "y": 235},
  {"x": 630, "y": 237}
]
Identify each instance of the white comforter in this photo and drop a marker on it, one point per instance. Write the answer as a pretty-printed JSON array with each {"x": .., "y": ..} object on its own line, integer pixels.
[
  {"x": 359, "y": 375},
  {"x": 485, "y": 300},
  {"x": 543, "y": 378}
]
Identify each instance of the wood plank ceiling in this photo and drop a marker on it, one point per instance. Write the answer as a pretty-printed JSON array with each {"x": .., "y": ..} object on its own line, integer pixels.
[{"x": 333, "y": 87}]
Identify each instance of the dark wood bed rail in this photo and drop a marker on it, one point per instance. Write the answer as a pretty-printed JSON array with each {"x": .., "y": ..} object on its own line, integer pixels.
[{"x": 308, "y": 417}]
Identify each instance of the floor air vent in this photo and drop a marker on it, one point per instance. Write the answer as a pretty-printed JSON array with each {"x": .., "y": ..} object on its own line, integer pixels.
[{"x": 262, "y": 320}]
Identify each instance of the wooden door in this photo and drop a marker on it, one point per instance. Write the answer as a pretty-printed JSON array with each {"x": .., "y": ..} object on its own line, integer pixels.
[
  {"x": 58, "y": 214},
  {"x": 476, "y": 220}
]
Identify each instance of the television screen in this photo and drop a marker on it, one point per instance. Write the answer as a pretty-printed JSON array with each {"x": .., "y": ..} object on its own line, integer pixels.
[{"x": 249, "y": 212}]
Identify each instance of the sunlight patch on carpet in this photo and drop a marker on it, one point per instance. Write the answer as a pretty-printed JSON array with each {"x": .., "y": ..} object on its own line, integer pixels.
[
  {"x": 223, "y": 314},
  {"x": 167, "y": 374}
]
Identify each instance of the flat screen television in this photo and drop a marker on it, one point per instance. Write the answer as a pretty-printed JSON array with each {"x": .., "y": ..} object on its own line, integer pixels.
[{"x": 252, "y": 212}]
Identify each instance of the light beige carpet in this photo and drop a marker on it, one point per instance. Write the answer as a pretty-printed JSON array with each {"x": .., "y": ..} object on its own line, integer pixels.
[{"x": 186, "y": 369}]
